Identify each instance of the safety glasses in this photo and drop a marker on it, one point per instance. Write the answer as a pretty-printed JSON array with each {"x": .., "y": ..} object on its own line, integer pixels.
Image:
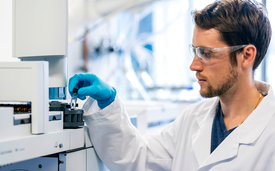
[{"x": 205, "y": 54}]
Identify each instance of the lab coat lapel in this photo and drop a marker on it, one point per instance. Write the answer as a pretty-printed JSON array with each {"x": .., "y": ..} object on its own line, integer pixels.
[
  {"x": 245, "y": 134},
  {"x": 226, "y": 150},
  {"x": 257, "y": 121},
  {"x": 201, "y": 140}
]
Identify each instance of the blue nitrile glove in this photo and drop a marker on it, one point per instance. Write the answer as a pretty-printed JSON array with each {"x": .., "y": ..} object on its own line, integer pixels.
[{"x": 91, "y": 85}]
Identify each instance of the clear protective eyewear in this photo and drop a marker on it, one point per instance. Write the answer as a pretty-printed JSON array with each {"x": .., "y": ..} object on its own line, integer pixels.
[{"x": 205, "y": 54}]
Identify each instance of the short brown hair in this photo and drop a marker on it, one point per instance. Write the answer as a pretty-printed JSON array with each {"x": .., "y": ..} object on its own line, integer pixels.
[{"x": 240, "y": 22}]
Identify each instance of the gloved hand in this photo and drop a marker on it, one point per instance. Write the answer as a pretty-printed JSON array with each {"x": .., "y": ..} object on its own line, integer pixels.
[{"x": 91, "y": 85}]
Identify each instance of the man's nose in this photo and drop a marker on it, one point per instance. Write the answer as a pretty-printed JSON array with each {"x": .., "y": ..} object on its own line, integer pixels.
[{"x": 196, "y": 64}]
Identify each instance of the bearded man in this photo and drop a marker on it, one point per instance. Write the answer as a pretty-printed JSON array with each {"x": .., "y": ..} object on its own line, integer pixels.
[{"x": 234, "y": 131}]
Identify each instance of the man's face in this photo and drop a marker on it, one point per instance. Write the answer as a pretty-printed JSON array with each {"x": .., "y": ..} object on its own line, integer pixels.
[{"x": 216, "y": 76}]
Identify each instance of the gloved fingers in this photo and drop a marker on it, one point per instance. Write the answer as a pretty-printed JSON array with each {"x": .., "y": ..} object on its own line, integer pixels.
[
  {"x": 73, "y": 83},
  {"x": 89, "y": 85},
  {"x": 91, "y": 78},
  {"x": 82, "y": 97},
  {"x": 81, "y": 80},
  {"x": 88, "y": 91}
]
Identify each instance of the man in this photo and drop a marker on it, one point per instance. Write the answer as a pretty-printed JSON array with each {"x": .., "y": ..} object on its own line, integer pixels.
[{"x": 234, "y": 131}]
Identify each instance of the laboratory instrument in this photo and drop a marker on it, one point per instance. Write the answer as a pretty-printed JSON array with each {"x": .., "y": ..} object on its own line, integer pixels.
[{"x": 39, "y": 131}]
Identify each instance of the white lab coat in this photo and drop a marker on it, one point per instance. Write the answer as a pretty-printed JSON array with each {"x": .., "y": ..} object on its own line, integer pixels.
[{"x": 184, "y": 145}]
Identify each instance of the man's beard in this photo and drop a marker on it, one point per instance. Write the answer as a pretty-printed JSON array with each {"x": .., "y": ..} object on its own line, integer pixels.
[{"x": 232, "y": 77}]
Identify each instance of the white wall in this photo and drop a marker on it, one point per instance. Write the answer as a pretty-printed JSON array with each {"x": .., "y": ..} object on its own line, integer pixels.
[{"x": 6, "y": 30}]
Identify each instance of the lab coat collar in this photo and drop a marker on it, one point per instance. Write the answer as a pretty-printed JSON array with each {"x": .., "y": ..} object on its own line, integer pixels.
[
  {"x": 245, "y": 134},
  {"x": 201, "y": 140},
  {"x": 257, "y": 121}
]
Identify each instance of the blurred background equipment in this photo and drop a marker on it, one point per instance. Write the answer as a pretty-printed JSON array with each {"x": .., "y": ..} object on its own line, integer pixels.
[{"x": 139, "y": 48}]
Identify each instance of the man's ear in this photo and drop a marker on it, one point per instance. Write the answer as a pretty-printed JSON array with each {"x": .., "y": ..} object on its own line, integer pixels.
[{"x": 249, "y": 54}]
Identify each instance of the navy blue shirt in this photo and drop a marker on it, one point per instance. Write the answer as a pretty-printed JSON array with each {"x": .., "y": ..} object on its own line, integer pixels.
[{"x": 219, "y": 131}]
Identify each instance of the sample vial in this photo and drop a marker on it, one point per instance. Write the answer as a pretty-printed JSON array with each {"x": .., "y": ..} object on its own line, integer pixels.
[{"x": 74, "y": 99}]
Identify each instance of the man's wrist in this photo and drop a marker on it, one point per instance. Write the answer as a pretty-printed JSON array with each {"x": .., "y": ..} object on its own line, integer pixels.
[{"x": 106, "y": 102}]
